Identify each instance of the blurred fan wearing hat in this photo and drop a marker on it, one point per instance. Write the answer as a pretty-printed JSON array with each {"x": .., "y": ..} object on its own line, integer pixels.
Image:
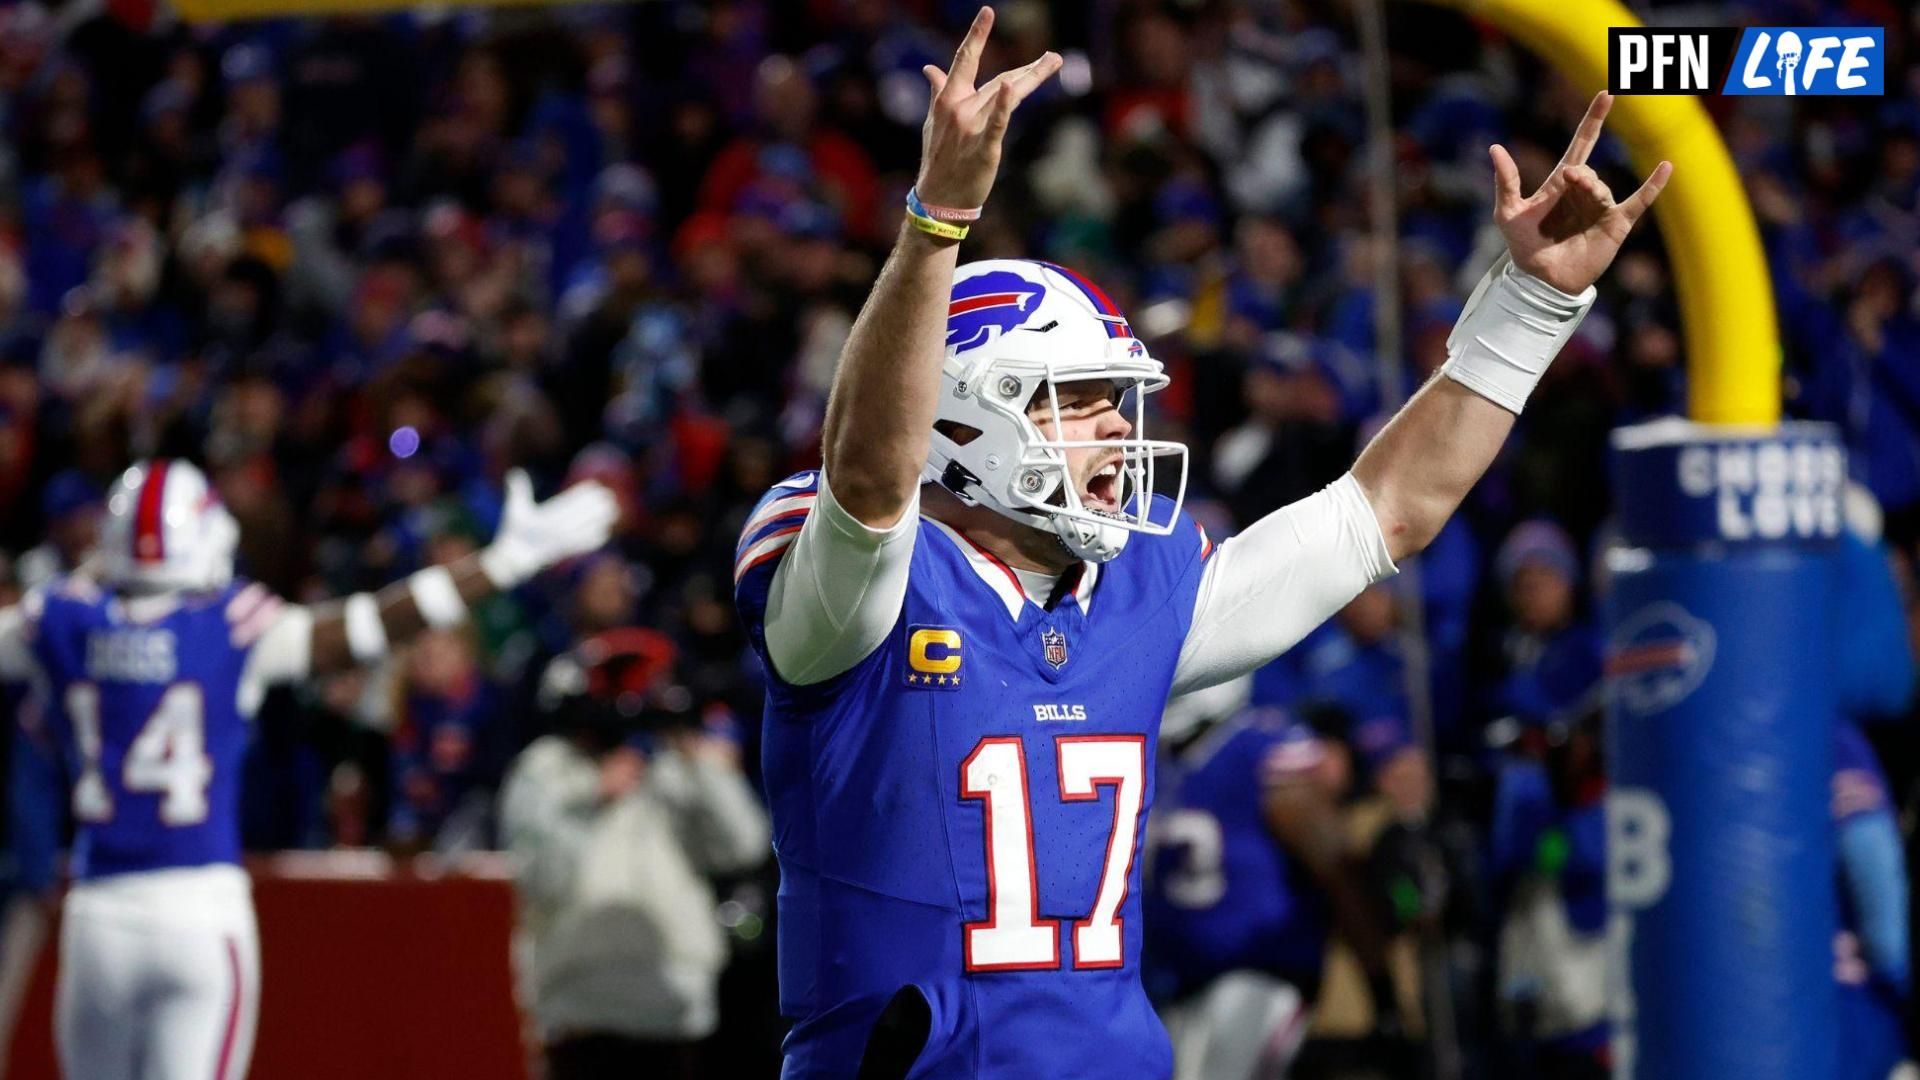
[
  {"x": 1552, "y": 652},
  {"x": 71, "y": 505},
  {"x": 615, "y": 819}
]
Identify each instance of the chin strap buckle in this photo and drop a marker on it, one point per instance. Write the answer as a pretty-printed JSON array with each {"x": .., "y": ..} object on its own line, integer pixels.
[{"x": 958, "y": 479}]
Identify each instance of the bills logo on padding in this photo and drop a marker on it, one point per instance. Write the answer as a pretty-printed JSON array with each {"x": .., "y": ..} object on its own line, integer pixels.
[
  {"x": 987, "y": 305},
  {"x": 1659, "y": 656}
]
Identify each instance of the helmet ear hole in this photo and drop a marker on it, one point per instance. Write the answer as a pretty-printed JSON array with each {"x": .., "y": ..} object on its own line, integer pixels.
[{"x": 961, "y": 434}]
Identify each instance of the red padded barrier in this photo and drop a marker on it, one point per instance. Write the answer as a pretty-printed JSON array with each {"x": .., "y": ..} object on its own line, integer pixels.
[{"x": 372, "y": 968}]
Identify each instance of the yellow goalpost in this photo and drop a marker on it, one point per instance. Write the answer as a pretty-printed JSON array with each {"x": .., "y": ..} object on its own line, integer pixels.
[{"x": 1713, "y": 244}]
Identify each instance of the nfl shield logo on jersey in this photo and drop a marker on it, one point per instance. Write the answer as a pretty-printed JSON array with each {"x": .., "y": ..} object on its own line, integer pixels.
[{"x": 1054, "y": 644}]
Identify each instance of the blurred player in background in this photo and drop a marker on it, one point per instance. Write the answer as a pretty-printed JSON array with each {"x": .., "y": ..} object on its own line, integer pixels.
[
  {"x": 1249, "y": 871},
  {"x": 615, "y": 820},
  {"x": 1872, "y": 946},
  {"x": 1871, "y": 958},
  {"x": 147, "y": 669},
  {"x": 974, "y": 613}
]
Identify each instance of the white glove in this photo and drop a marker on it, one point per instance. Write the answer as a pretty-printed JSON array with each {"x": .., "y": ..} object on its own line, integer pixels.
[{"x": 534, "y": 536}]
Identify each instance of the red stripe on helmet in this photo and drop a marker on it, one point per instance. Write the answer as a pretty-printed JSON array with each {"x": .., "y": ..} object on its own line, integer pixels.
[
  {"x": 1101, "y": 302},
  {"x": 149, "y": 540},
  {"x": 984, "y": 300}
]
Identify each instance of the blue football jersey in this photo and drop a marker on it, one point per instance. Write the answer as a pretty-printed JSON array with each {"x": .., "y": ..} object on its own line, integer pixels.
[
  {"x": 963, "y": 811},
  {"x": 147, "y": 718},
  {"x": 1222, "y": 894}
]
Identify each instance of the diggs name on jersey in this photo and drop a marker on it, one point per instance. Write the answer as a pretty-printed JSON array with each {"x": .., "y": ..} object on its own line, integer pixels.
[{"x": 132, "y": 654}]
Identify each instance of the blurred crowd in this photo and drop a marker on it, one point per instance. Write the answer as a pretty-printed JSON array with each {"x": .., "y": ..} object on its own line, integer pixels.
[{"x": 360, "y": 267}]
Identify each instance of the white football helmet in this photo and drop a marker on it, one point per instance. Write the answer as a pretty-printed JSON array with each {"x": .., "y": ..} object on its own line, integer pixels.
[
  {"x": 1019, "y": 327},
  {"x": 166, "y": 530}
]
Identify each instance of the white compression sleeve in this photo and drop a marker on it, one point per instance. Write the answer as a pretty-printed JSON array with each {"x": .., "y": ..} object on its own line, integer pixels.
[
  {"x": 1269, "y": 586},
  {"x": 837, "y": 591}
]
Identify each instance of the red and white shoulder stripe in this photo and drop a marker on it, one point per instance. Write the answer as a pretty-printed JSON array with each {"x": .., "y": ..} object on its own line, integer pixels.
[{"x": 771, "y": 529}]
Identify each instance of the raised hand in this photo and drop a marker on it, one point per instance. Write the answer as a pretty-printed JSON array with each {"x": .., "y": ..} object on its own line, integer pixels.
[
  {"x": 534, "y": 536},
  {"x": 960, "y": 144},
  {"x": 1567, "y": 233}
]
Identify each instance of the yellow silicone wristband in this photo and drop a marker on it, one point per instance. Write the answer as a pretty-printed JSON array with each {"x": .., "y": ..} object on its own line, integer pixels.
[{"x": 943, "y": 229}]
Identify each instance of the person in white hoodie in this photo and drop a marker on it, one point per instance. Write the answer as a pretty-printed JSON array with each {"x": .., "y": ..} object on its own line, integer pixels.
[{"x": 615, "y": 820}]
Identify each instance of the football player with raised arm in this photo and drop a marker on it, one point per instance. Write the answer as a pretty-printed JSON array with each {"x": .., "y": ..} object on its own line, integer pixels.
[
  {"x": 975, "y": 612},
  {"x": 148, "y": 670}
]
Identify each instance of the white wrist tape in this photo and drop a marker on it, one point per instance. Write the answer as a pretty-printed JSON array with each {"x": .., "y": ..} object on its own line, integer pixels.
[
  {"x": 1513, "y": 326},
  {"x": 366, "y": 634},
  {"x": 437, "y": 597}
]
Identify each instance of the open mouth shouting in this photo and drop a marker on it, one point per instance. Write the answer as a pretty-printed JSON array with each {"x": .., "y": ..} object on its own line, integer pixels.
[{"x": 1101, "y": 493}]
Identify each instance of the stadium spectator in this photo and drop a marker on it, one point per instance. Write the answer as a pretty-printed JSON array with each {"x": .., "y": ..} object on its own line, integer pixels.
[
  {"x": 1352, "y": 664},
  {"x": 445, "y": 736},
  {"x": 1551, "y": 653},
  {"x": 1547, "y": 850},
  {"x": 615, "y": 818},
  {"x": 71, "y": 505}
]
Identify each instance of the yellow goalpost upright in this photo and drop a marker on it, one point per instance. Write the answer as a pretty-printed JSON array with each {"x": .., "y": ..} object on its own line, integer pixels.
[{"x": 1713, "y": 244}]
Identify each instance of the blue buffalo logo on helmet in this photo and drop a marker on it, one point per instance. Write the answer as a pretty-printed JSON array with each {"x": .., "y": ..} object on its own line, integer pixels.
[{"x": 990, "y": 304}]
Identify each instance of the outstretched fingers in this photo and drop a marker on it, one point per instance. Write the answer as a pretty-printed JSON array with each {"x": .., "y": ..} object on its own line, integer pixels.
[
  {"x": 1583, "y": 179},
  {"x": 519, "y": 488},
  {"x": 1507, "y": 199},
  {"x": 1024, "y": 80},
  {"x": 1638, "y": 203},
  {"x": 966, "y": 61},
  {"x": 1588, "y": 133},
  {"x": 995, "y": 110}
]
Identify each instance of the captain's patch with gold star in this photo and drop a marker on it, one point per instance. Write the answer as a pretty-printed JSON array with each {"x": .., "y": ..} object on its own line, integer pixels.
[{"x": 933, "y": 657}]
